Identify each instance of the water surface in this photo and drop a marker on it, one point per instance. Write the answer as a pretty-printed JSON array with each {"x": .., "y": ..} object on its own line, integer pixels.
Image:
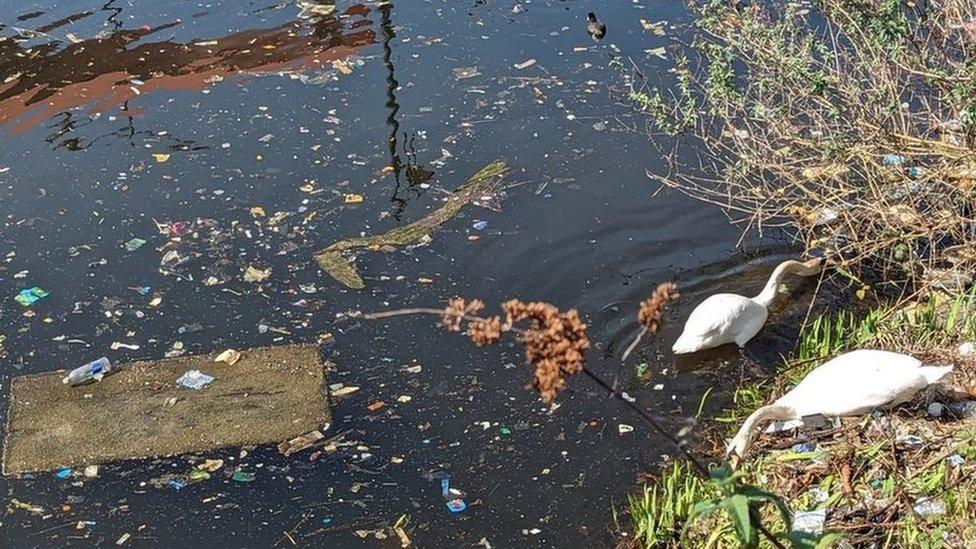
[{"x": 246, "y": 124}]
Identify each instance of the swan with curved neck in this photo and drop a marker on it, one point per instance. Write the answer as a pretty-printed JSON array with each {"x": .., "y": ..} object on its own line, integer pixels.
[
  {"x": 732, "y": 318},
  {"x": 850, "y": 384}
]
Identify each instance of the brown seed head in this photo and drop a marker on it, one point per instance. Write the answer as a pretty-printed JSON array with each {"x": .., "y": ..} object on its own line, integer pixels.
[
  {"x": 649, "y": 314},
  {"x": 555, "y": 342}
]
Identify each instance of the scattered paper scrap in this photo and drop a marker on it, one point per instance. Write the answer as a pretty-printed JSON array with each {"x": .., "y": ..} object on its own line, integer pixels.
[
  {"x": 300, "y": 443},
  {"x": 342, "y": 391},
  {"x": 229, "y": 357},
  {"x": 254, "y": 274},
  {"x": 195, "y": 379}
]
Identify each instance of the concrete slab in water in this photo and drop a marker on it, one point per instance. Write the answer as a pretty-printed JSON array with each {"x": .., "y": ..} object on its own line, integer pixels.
[{"x": 271, "y": 394}]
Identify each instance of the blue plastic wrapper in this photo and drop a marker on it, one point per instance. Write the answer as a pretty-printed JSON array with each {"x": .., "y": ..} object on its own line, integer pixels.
[{"x": 456, "y": 505}]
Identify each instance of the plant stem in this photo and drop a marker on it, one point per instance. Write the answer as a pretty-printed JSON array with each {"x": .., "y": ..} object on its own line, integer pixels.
[{"x": 633, "y": 344}]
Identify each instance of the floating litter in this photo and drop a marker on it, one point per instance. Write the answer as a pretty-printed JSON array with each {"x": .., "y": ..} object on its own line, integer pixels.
[{"x": 456, "y": 505}]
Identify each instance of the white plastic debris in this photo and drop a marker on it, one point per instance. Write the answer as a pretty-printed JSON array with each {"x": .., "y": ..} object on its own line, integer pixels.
[
  {"x": 818, "y": 495},
  {"x": 623, "y": 428},
  {"x": 909, "y": 441},
  {"x": 966, "y": 348},
  {"x": 936, "y": 409},
  {"x": 778, "y": 426},
  {"x": 811, "y": 522},
  {"x": 928, "y": 507}
]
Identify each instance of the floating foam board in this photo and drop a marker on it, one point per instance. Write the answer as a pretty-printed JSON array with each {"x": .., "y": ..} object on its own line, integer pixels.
[{"x": 271, "y": 394}]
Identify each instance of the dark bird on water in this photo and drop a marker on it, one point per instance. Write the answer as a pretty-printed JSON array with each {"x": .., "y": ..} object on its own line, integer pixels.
[{"x": 595, "y": 27}]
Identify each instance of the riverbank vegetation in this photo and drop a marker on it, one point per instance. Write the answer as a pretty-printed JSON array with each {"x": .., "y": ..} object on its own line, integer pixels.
[
  {"x": 902, "y": 478},
  {"x": 849, "y": 125}
]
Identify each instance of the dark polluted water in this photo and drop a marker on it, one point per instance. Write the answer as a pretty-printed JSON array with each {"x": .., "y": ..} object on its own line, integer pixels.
[{"x": 228, "y": 135}]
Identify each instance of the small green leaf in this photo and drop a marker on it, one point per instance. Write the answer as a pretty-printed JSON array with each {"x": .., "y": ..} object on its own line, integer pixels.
[
  {"x": 702, "y": 508},
  {"x": 738, "y": 506}
]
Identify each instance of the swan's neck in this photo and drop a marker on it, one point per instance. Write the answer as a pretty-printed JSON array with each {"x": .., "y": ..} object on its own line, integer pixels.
[
  {"x": 768, "y": 293},
  {"x": 740, "y": 442}
]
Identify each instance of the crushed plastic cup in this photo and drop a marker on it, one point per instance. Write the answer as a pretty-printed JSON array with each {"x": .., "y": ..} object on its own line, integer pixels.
[
  {"x": 457, "y": 505},
  {"x": 93, "y": 371},
  {"x": 195, "y": 379}
]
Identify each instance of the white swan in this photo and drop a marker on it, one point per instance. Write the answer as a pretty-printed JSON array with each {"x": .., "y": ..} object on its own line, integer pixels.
[
  {"x": 850, "y": 384},
  {"x": 727, "y": 318}
]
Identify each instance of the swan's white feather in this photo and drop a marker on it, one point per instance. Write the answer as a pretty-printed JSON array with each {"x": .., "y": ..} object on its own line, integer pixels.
[
  {"x": 850, "y": 384},
  {"x": 721, "y": 319},
  {"x": 857, "y": 382}
]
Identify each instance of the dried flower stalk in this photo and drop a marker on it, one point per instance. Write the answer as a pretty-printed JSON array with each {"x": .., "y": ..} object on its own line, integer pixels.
[{"x": 649, "y": 313}]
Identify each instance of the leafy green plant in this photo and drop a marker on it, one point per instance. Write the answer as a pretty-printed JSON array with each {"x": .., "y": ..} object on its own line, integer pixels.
[{"x": 743, "y": 504}]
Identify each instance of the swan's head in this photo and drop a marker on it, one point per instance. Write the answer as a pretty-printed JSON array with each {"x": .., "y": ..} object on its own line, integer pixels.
[
  {"x": 739, "y": 444},
  {"x": 807, "y": 268}
]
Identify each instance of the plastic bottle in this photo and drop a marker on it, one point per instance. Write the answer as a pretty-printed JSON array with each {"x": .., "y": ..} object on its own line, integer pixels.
[{"x": 93, "y": 371}]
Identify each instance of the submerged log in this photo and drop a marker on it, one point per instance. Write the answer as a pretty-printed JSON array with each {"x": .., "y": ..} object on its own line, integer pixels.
[{"x": 338, "y": 259}]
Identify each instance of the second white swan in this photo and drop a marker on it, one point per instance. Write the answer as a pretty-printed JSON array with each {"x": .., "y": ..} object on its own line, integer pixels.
[
  {"x": 733, "y": 318},
  {"x": 850, "y": 384}
]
